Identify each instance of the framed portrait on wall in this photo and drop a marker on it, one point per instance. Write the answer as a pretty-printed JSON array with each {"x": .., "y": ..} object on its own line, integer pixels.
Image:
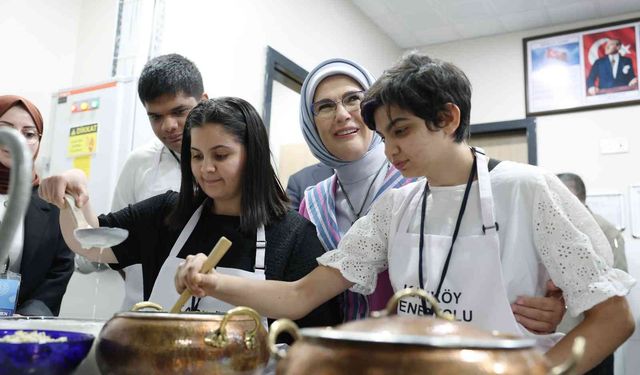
[{"x": 581, "y": 69}]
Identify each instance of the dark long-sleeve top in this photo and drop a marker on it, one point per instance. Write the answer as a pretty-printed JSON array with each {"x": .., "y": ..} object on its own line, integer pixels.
[
  {"x": 47, "y": 263},
  {"x": 291, "y": 250}
]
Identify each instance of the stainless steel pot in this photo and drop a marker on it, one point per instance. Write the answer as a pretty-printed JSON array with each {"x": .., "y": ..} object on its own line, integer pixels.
[{"x": 392, "y": 344}]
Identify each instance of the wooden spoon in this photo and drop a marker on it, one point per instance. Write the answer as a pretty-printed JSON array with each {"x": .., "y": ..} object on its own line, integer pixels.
[{"x": 214, "y": 257}]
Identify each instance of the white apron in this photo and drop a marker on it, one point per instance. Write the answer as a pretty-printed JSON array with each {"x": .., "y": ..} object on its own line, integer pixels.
[
  {"x": 164, "y": 291},
  {"x": 473, "y": 289},
  {"x": 133, "y": 281}
]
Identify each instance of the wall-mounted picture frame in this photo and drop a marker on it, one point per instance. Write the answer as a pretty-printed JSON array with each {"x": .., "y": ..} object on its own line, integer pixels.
[
  {"x": 581, "y": 69},
  {"x": 610, "y": 205}
]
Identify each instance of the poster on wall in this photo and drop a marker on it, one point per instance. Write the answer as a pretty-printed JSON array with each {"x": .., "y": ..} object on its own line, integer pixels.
[{"x": 589, "y": 68}]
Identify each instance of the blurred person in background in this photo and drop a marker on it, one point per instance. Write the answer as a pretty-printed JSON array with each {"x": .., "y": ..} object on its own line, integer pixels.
[{"x": 38, "y": 251}]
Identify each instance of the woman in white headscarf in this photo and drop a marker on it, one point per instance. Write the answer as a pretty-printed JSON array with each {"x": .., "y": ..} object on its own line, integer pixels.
[{"x": 337, "y": 136}]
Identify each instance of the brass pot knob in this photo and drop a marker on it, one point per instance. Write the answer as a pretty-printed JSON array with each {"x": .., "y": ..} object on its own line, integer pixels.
[
  {"x": 278, "y": 327},
  {"x": 218, "y": 338},
  {"x": 392, "y": 305}
]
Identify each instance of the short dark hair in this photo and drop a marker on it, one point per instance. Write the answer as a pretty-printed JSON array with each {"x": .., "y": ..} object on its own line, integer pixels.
[
  {"x": 263, "y": 198},
  {"x": 424, "y": 86},
  {"x": 578, "y": 184},
  {"x": 169, "y": 75}
]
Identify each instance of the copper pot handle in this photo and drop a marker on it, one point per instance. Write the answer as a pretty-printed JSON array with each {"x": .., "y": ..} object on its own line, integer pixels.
[
  {"x": 218, "y": 338},
  {"x": 278, "y": 327},
  {"x": 146, "y": 305},
  {"x": 569, "y": 366},
  {"x": 392, "y": 305}
]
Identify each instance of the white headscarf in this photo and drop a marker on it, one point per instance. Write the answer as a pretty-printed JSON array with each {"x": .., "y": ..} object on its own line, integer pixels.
[{"x": 326, "y": 69}]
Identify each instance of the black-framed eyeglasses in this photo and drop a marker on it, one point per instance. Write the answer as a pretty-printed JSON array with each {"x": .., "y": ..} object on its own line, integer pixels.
[
  {"x": 30, "y": 134},
  {"x": 326, "y": 108}
]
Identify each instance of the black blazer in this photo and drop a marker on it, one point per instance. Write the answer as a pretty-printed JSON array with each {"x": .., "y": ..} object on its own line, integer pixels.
[{"x": 47, "y": 263}]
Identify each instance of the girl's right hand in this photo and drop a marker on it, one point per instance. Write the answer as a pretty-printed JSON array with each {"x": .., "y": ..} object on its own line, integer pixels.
[
  {"x": 52, "y": 189},
  {"x": 188, "y": 276}
]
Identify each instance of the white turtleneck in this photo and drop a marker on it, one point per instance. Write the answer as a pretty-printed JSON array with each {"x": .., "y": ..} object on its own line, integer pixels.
[{"x": 356, "y": 178}]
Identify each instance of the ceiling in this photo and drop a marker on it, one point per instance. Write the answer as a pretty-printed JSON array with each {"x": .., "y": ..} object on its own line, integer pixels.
[{"x": 414, "y": 23}]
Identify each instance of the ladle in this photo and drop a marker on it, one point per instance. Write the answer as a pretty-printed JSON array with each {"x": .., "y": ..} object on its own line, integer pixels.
[{"x": 89, "y": 236}]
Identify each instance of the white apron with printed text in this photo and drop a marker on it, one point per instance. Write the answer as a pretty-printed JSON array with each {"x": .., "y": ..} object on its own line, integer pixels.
[{"x": 473, "y": 290}]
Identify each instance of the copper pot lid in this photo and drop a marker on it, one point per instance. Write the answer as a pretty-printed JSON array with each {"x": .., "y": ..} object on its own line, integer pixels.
[{"x": 440, "y": 332}]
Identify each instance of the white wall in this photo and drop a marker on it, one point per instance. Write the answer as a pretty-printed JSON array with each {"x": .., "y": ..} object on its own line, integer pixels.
[
  {"x": 228, "y": 39},
  {"x": 39, "y": 39},
  {"x": 50, "y": 45},
  {"x": 566, "y": 143},
  {"x": 96, "y": 38}
]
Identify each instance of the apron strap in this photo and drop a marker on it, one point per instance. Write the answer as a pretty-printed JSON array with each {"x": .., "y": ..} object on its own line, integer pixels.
[
  {"x": 485, "y": 194},
  {"x": 261, "y": 244},
  {"x": 186, "y": 232}
]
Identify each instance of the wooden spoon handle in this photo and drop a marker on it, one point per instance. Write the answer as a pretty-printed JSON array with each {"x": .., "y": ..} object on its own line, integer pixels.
[{"x": 212, "y": 260}]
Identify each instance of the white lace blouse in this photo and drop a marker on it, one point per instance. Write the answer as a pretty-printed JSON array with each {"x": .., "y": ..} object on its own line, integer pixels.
[{"x": 545, "y": 233}]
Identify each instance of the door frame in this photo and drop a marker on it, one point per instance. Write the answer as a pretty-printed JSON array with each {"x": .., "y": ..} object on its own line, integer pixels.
[
  {"x": 527, "y": 124},
  {"x": 279, "y": 68}
]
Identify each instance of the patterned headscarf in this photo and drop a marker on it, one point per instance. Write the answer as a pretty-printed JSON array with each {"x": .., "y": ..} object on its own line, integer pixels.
[
  {"x": 6, "y": 103},
  {"x": 326, "y": 69}
]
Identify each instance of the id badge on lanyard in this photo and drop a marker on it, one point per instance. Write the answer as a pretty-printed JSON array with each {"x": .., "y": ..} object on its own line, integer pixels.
[{"x": 9, "y": 289}]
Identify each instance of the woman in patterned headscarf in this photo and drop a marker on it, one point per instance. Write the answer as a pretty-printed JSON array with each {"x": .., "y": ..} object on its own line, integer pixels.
[
  {"x": 38, "y": 252},
  {"x": 337, "y": 136}
]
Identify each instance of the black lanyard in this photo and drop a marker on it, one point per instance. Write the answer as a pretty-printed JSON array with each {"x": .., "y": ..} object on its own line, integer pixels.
[
  {"x": 174, "y": 155},
  {"x": 195, "y": 304},
  {"x": 463, "y": 206}
]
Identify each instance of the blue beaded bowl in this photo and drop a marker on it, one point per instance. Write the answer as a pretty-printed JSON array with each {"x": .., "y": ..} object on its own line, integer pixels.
[{"x": 50, "y": 358}]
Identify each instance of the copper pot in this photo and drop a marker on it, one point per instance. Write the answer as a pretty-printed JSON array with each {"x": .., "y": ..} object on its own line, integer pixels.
[
  {"x": 392, "y": 344},
  {"x": 151, "y": 342}
]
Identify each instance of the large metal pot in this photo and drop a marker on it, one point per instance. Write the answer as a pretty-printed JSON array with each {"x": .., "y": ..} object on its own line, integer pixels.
[
  {"x": 151, "y": 342},
  {"x": 392, "y": 344}
]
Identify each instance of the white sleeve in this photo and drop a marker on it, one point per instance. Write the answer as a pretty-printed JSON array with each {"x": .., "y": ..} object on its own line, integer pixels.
[
  {"x": 574, "y": 249},
  {"x": 124, "y": 193},
  {"x": 362, "y": 251}
]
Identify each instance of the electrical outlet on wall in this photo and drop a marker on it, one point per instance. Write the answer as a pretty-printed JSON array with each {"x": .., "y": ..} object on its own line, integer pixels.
[{"x": 614, "y": 146}]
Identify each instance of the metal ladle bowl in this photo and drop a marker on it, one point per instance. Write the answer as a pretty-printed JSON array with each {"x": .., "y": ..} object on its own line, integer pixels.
[{"x": 90, "y": 237}]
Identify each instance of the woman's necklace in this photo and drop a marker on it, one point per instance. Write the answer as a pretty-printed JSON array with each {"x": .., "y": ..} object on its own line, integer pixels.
[{"x": 364, "y": 202}]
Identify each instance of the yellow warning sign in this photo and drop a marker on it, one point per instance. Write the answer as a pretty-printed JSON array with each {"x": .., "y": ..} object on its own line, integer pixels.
[
  {"x": 83, "y": 163},
  {"x": 83, "y": 140}
]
